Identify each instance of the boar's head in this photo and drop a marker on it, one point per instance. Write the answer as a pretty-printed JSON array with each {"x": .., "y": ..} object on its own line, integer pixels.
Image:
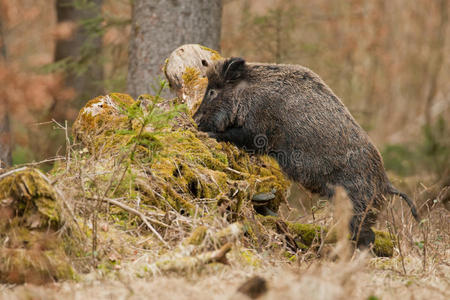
[{"x": 220, "y": 102}]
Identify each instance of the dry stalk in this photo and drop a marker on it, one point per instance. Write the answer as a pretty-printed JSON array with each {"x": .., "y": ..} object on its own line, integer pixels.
[
  {"x": 101, "y": 199},
  {"x": 12, "y": 172},
  {"x": 235, "y": 171},
  {"x": 397, "y": 235},
  {"x": 143, "y": 217},
  {"x": 342, "y": 215},
  {"x": 63, "y": 199},
  {"x": 33, "y": 164},
  {"x": 425, "y": 229},
  {"x": 364, "y": 215},
  {"x": 68, "y": 147},
  {"x": 192, "y": 262}
]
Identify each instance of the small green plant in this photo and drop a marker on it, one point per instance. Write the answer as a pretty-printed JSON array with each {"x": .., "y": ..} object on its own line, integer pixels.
[{"x": 151, "y": 120}]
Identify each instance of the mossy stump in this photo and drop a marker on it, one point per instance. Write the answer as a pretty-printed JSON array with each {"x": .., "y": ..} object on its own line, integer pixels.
[
  {"x": 186, "y": 166},
  {"x": 31, "y": 230}
]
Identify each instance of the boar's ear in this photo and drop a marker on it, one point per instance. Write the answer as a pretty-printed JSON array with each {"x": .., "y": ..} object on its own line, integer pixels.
[{"x": 233, "y": 68}]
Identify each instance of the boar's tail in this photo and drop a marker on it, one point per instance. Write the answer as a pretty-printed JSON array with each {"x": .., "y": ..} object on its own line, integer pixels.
[{"x": 392, "y": 190}]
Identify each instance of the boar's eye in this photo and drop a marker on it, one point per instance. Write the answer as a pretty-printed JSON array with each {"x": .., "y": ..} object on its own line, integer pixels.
[{"x": 212, "y": 94}]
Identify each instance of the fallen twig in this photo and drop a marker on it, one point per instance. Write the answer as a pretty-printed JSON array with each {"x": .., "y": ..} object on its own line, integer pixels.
[
  {"x": 235, "y": 171},
  {"x": 143, "y": 217},
  {"x": 192, "y": 262},
  {"x": 12, "y": 172}
]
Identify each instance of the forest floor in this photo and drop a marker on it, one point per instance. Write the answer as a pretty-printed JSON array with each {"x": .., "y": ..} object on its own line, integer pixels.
[
  {"x": 362, "y": 278},
  {"x": 411, "y": 273}
]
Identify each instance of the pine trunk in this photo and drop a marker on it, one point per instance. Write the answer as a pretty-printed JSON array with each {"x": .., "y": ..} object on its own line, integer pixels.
[
  {"x": 5, "y": 138},
  {"x": 159, "y": 27},
  {"x": 5, "y": 130}
]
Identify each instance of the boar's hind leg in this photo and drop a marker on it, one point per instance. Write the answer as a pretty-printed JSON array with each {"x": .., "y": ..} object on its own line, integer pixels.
[{"x": 364, "y": 216}]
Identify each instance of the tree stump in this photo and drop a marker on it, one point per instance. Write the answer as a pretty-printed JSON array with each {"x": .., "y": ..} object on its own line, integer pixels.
[{"x": 185, "y": 70}]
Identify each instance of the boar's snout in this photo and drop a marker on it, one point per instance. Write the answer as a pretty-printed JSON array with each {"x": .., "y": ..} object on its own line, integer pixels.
[
  {"x": 200, "y": 120},
  {"x": 197, "y": 117},
  {"x": 212, "y": 121}
]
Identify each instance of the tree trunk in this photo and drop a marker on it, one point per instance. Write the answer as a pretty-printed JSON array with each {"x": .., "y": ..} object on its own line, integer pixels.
[
  {"x": 81, "y": 50},
  {"x": 5, "y": 130},
  {"x": 5, "y": 137},
  {"x": 160, "y": 26},
  {"x": 436, "y": 60}
]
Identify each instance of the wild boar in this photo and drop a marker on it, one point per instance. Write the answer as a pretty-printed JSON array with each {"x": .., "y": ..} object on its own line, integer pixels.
[{"x": 288, "y": 112}]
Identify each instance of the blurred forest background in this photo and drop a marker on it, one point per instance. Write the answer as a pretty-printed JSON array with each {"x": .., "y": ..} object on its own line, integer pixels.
[{"x": 388, "y": 60}]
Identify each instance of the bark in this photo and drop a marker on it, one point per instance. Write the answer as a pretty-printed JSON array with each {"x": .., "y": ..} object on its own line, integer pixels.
[
  {"x": 160, "y": 26},
  {"x": 5, "y": 130},
  {"x": 5, "y": 137},
  {"x": 82, "y": 48},
  {"x": 438, "y": 46}
]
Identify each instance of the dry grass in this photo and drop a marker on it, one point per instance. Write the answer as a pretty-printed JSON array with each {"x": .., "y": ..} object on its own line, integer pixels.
[
  {"x": 357, "y": 279},
  {"x": 422, "y": 272}
]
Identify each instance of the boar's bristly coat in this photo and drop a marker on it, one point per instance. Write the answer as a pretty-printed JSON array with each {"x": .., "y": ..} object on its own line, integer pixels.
[{"x": 288, "y": 112}]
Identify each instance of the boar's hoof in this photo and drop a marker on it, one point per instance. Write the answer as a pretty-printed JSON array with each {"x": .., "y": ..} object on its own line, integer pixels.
[
  {"x": 254, "y": 287},
  {"x": 260, "y": 202},
  {"x": 262, "y": 198},
  {"x": 366, "y": 238},
  {"x": 265, "y": 211}
]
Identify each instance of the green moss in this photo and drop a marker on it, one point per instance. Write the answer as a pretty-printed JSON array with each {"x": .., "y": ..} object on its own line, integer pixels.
[
  {"x": 291, "y": 257},
  {"x": 166, "y": 61},
  {"x": 22, "y": 265},
  {"x": 308, "y": 232},
  {"x": 35, "y": 236},
  {"x": 197, "y": 236},
  {"x": 304, "y": 234},
  {"x": 268, "y": 221},
  {"x": 98, "y": 122},
  {"x": 32, "y": 198},
  {"x": 190, "y": 77},
  {"x": 123, "y": 99},
  {"x": 249, "y": 258},
  {"x": 186, "y": 146},
  {"x": 384, "y": 245},
  {"x": 183, "y": 168},
  {"x": 215, "y": 54}
]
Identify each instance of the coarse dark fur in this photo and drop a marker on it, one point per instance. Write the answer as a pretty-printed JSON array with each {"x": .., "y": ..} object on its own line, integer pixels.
[{"x": 287, "y": 111}]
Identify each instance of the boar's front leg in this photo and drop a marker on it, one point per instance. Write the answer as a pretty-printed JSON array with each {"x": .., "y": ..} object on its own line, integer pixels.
[{"x": 239, "y": 136}]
